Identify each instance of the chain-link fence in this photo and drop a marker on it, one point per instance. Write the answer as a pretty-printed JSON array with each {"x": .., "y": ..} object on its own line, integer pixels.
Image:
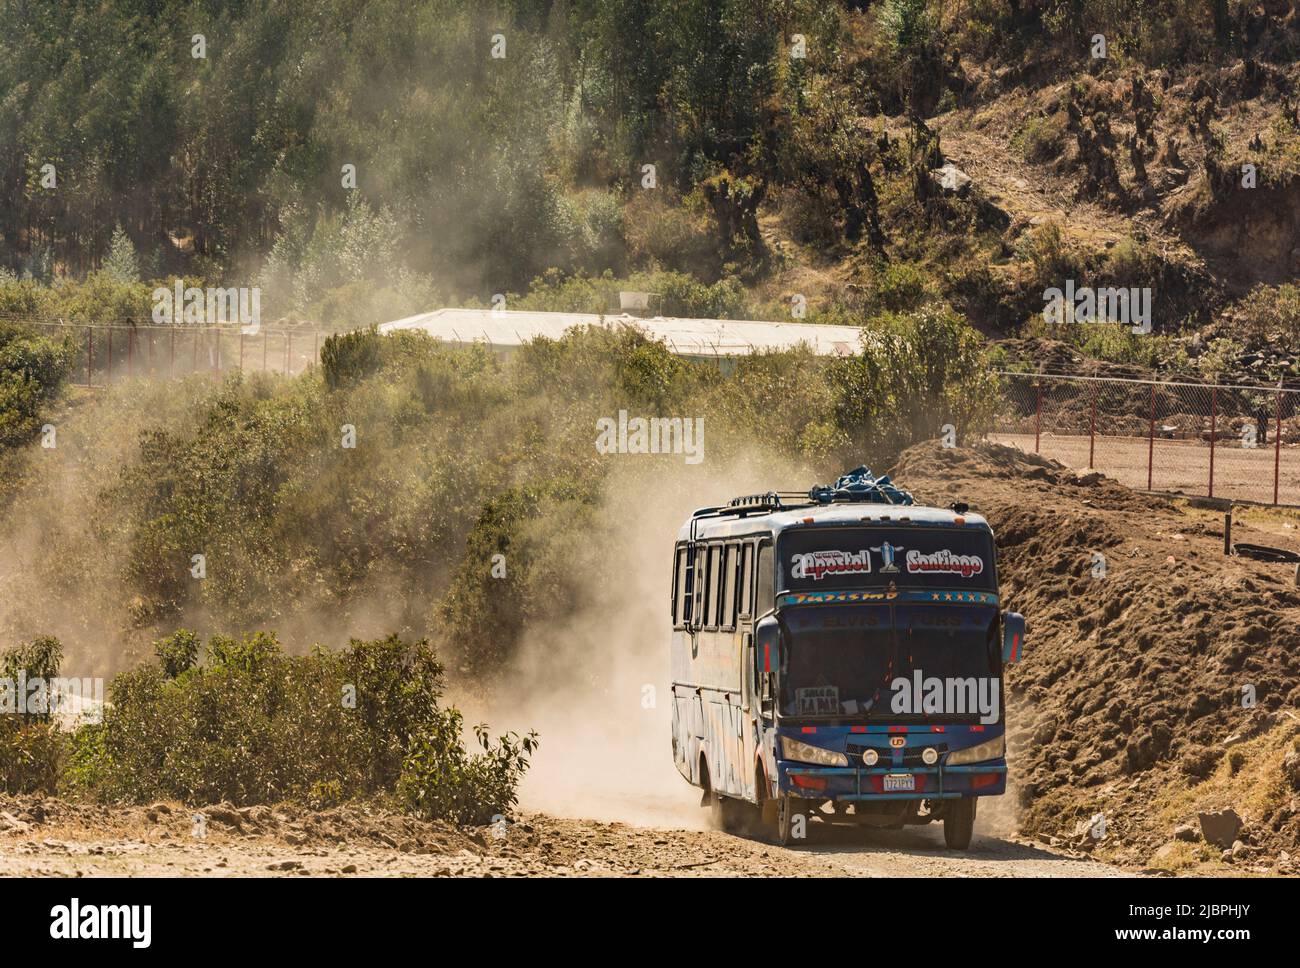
[
  {"x": 107, "y": 353},
  {"x": 1235, "y": 442}
]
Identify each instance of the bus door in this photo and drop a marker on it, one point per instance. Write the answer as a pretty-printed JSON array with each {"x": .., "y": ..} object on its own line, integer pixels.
[
  {"x": 749, "y": 720},
  {"x": 700, "y": 554}
]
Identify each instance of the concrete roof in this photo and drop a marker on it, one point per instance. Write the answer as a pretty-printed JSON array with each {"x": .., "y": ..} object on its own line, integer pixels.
[{"x": 686, "y": 337}]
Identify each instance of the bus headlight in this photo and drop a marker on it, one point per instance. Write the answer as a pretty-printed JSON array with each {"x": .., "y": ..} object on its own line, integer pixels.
[
  {"x": 870, "y": 757},
  {"x": 929, "y": 756},
  {"x": 990, "y": 750},
  {"x": 792, "y": 749}
]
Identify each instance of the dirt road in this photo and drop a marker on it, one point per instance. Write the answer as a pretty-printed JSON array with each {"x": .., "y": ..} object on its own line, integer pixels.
[{"x": 350, "y": 841}]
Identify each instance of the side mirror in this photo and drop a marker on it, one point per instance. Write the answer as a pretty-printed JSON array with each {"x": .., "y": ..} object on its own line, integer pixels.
[
  {"x": 767, "y": 655},
  {"x": 1013, "y": 636}
]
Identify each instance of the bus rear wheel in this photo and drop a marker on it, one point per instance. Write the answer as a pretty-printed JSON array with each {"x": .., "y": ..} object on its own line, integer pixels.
[{"x": 959, "y": 823}]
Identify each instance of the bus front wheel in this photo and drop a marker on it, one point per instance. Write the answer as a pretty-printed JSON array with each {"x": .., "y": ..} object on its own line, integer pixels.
[
  {"x": 959, "y": 823},
  {"x": 787, "y": 809}
]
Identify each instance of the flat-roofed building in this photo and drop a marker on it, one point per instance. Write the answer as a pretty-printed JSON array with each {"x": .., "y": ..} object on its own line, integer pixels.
[{"x": 713, "y": 339}]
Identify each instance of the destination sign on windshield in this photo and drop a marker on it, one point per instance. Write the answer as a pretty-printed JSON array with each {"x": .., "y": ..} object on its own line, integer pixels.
[{"x": 826, "y": 559}]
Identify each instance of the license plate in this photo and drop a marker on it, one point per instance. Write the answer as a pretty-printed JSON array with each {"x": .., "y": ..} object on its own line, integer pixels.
[{"x": 899, "y": 782}]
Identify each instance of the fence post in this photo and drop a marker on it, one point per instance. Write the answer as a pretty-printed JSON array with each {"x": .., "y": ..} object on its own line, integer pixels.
[
  {"x": 1092, "y": 430},
  {"x": 1214, "y": 433},
  {"x": 90, "y": 353},
  {"x": 1038, "y": 417},
  {"x": 1151, "y": 438},
  {"x": 1277, "y": 448}
]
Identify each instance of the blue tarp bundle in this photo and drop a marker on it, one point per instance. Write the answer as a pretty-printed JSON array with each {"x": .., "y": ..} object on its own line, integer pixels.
[{"x": 861, "y": 485}]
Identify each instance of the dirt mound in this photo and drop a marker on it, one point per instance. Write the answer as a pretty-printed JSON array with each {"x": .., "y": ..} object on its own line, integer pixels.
[{"x": 1146, "y": 650}]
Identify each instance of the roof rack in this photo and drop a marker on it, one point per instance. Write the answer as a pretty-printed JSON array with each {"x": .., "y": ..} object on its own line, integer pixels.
[
  {"x": 859, "y": 486},
  {"x": 772, "y": 501},
  {"x": 757, "y": 503}
]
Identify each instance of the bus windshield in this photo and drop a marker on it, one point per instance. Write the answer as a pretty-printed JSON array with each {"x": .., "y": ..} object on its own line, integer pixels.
[{"x": 847, "y": 660}]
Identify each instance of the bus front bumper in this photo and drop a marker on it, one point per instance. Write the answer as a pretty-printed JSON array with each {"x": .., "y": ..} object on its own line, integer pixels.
[{"x": 987, "y": 779}]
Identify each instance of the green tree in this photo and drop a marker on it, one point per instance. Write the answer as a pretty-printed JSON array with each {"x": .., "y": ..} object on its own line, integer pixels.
[{"x": 121, "y": 263}]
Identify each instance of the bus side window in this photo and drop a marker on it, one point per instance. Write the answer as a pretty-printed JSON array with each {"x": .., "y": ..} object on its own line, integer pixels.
[
  {"x": 746, "y": 578},
  {"x": 682, "y": 589},
  {"x": 727, "y": 604},
  {"x": 697, "y": 591},
  {"x": 766, "y": 582},
  {"x": 712, "y": 578}
]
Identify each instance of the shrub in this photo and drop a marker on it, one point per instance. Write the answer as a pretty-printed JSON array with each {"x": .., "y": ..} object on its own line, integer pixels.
[
  {"x": 177, "y": 653},
  {"x": 900, "y": 287},
  {"x": 1043, "y": 139},
  {"x": 254, "y": 725},
  {"x": 916, "y": 373},
  {"x": 33, "y": 369},
  {"x": 348, "y": 357},
  {"x": 32, "y": 749},
  {"x": 1271, "y": 311},
  {"x": 591, "y": 227},
  {"x": 440, "y": 780},
  {"x": 661, "y": 234}
]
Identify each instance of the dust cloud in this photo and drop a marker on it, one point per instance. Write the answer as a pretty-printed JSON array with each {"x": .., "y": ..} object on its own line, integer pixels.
[{"x": 597, "y": 687}]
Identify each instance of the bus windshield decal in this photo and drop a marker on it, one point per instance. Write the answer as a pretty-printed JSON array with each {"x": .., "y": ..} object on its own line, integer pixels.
[
  {"x": 945, "y": 562},
  {"x": 817, "y": 564},
  {"x": 861, "y": 558},
  {"x": 818, "y": 700}
]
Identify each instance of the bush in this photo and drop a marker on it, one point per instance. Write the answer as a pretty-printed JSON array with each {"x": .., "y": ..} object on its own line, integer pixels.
[
  {"x": 916, "y": 373},
  {"x": 33, "y": 369},
  {"x": 254, "y": 725},
  {"x": 1043, "y": 139},
  {"x": 440, "y": 780},
  {"x": 348, "y": 357},
  {"x": 899, "y": 287},
  {"x": 664, "y": 235},
  {"x": 177, "y": 653},
  {"x": 1271, "y": 311},
  {"x": 32, "y": 749}
]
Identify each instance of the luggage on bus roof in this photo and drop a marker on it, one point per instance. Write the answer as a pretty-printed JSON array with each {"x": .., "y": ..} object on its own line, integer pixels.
[{"x": 861, "y": 485}]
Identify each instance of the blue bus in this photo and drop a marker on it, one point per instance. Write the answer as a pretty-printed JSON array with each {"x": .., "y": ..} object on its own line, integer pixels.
[{"x": 837, "y": 656}]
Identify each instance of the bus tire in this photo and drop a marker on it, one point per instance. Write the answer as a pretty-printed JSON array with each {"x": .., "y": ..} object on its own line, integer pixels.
[
  {"x": 786, "y": 810},
  {"x": 959, "y": 823}
]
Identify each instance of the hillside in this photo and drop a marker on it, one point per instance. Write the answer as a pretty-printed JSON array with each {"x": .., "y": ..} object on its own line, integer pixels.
[
  {"x": 790, "y": 160},
  {"x": 1131, "y": 700}
]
